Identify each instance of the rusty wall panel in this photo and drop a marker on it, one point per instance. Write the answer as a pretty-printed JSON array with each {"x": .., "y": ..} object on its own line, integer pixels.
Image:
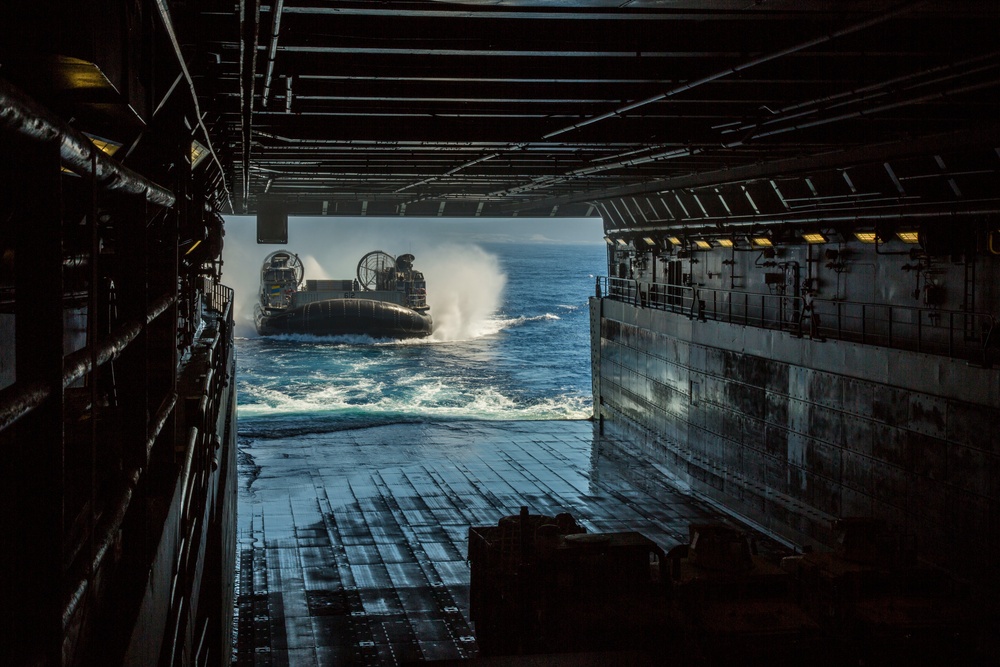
[{"x": 791, "y": 447}]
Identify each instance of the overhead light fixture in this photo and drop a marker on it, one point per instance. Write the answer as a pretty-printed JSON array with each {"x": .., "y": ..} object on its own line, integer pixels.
[
  {"x": 106, "y": 146},
  {"x": 866, "y": 237},
  {"x": 725, "y": 243},
  {"x": 649, "y": 240},
  {"x": 762, "y": 242},
  {"x": 909, "y": 237},
  {"x": 607, "y": 239},
  {"x": 674, "y": 240},
  {"x": 198, "y": 153},
  {"x": 703, "y": 245},
  {"x": 814, "y": 237},
  {"x": 622, "y": 242}
]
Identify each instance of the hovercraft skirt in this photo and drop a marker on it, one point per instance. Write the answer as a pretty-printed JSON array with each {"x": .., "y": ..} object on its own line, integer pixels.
[{"x": 339, "y": 317}]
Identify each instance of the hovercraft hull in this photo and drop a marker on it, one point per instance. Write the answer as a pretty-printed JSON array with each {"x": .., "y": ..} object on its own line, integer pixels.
[{"x": 342, "y": 317}]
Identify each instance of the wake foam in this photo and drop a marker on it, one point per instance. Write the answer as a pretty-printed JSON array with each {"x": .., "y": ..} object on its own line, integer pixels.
[
  {"x": 498, "y": 324},
  {"x": 427, "y": 401},
  {"x": 339, "y": 340}
]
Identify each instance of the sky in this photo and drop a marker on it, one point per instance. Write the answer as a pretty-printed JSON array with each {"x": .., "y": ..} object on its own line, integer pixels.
[{"x": 446, "y": 230}]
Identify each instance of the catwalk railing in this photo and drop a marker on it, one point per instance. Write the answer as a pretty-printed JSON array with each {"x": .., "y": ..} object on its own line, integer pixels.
[
  {"x": 219, "y": 299},
  {"x": 953, "y": 333},
  {"x": 208, "y": 413}
]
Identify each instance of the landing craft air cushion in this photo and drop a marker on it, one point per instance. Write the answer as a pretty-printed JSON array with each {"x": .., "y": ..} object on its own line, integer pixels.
[{"x": 388, "y": 299}]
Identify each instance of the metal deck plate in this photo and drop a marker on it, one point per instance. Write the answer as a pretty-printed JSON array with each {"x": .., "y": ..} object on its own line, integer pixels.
[{"x": 353, "y": 543}]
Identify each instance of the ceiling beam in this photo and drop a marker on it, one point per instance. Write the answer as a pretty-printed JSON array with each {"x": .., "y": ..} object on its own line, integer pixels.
[
  {"x": 987, "y": 134},
  {"x": 571, "y": 13},
  {"x": 250, "y": 34},
  {"x": 272, "y": 51},
  {"x": 753, "y": 62}
]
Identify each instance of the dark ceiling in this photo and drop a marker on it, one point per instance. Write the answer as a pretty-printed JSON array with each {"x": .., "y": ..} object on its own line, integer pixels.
[{"x": 648, "y": 113}]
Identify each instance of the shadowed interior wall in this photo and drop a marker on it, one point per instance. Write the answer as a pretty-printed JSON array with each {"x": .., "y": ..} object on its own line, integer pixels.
[{"x": 792, "y": 433}]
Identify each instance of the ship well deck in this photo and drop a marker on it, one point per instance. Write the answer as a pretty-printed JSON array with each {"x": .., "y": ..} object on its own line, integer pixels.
[{"x": 353, "y": 544}]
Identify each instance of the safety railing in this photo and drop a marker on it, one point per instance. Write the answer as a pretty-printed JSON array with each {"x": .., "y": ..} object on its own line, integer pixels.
[
  {"x": 961, "y": 334},
  {"x": 958, "y": 334},
  {"x": 770, "y": 311},
  {"x": 207, "y": 412},
  {"x": 219, "y": 297}
]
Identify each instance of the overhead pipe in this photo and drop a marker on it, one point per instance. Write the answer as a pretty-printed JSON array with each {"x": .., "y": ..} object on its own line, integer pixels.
[
  {"x": 497, "y": 11},
  {"x": 155, "y": 428},
  {"x": 451, "y": 172},
  {"x": 865, "y": 93},
  {"x": 698, "y": 82},
  {"x": 111, "y": 521},
  {"x": 687, "y": 86},
  {"x": 78, "y": 364},
  {"x": 18, "y": 400},
  {"x": 856, "y": 27},
  {"x": 249, "y": 37},
  {"x": 981, "y": 134},
  {"x": 368, "y": 144},
  {"x": 633, "y": 161},
  {"x": 22, "y": 116},
  {"x": 693, "y": 84},
  {"x": 596, "y": 169},
  {"x": 168, "y": 26},
  {"x": 273, "y": 50},
  {"x": 166, "y": 96},
  {"x": 869, "y": 111}
]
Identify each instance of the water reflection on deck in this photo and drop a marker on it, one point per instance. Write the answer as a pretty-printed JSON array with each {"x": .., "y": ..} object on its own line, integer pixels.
[{"x": 353, "y": 544}]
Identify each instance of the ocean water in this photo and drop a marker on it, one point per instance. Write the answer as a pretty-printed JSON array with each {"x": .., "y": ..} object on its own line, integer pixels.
[{"x": 511, "y": 343}]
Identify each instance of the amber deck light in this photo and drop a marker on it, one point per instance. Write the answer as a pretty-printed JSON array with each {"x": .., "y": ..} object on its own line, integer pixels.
[
  {"x": 106, "y": 146},
  {"x": 909, "y": 237},
  {"x": 762, "y": 242},
  {"x": 198, "y": 153},
  {"x": 866, "y": 237},
  {"x": 725, "y": 243},
  {"x": 814, "y": 237}
]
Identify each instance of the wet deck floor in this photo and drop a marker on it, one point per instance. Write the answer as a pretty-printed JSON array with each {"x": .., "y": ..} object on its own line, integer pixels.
[{"x": 353, "y": 544}]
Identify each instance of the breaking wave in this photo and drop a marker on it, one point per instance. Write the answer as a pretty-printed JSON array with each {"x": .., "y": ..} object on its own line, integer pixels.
[{"x": 373, "y": 402}]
